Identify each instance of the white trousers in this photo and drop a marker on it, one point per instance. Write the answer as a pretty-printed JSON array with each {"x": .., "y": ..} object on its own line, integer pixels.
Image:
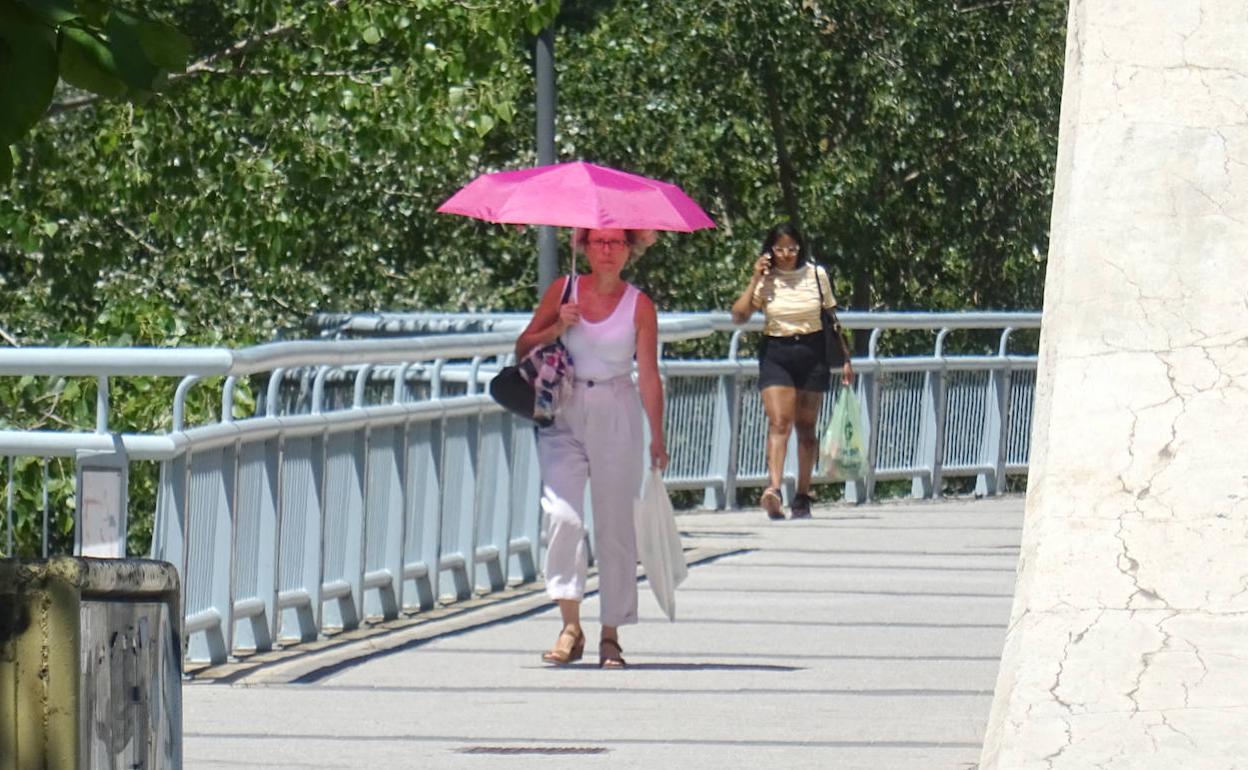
[{"x": 596, "y": 438}]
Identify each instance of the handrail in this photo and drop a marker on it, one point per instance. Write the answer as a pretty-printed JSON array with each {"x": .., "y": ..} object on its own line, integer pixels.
[
  {"x": 63, "y": 444},
  {"x": 49, "y": 443},
  {"x": 158, "y": 362},
  {"x": 207, "y": 362},
  {"x": 855, "y": 319},
  {"x": 721, "y": 321}
]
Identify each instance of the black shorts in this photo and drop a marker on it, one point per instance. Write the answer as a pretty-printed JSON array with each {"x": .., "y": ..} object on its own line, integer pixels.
[{"x": 794, "y": 362}]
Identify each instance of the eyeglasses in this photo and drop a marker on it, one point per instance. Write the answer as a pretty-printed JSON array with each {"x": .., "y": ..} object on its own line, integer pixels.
[
  {"x": 612, "y": 243},
  {"x": 786, "y": 249}
]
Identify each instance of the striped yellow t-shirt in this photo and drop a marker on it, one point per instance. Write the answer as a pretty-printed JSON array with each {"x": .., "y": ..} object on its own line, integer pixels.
[{"x": 789, "y": 300}]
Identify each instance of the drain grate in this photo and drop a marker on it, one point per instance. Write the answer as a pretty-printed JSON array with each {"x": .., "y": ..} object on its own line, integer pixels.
[{"x": 545, "y": 750}]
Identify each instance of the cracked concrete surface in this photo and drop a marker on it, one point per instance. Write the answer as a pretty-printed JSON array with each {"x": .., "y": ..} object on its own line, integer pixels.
[{"x": 1127, "y": 644}]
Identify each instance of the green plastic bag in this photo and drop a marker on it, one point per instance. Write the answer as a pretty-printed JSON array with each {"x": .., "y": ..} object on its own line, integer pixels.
[{"x": 842, "y": 451}]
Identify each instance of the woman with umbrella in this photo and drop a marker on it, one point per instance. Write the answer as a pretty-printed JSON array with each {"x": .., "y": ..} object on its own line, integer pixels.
[
  {"x": 597, "y": 436},
  {"x": 606, "y": 324}
]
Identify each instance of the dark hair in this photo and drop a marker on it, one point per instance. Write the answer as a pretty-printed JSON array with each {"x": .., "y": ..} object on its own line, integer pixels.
[{"x": 785, "y": 228}]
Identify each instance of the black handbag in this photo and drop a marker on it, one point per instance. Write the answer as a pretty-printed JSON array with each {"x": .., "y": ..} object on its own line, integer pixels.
[
  {"x": 512, "y": 392},
  {"x": 836, "y": 352},
  {"x": 510, "y": 389}
]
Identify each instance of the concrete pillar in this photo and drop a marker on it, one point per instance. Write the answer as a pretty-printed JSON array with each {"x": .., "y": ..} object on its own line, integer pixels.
[{"x": 1127, "y": 645}]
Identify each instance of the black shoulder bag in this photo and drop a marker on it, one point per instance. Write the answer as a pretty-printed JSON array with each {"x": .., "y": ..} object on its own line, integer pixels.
[
  {"x": 836, "y": 351},
  {"x": 510, "y": 388}
]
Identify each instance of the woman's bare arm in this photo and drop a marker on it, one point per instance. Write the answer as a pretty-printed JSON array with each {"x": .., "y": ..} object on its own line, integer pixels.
[
  {"x": 648, "y": 381},
  {"x": 743, "y": 308},
  {"x": 550, "y": 319}
]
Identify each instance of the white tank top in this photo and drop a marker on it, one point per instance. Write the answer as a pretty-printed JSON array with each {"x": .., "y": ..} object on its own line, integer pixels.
[{"x": 604, "y": 350}]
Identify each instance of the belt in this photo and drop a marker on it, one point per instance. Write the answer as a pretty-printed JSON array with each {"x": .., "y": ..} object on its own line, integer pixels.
[
  {"x": 793, "y": 339},
  {"x": 607, "y": 381}
]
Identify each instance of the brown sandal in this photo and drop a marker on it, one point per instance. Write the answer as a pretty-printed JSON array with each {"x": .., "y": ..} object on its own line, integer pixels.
[
  {"x": 563, "y": 654},
  {"x": 772, "y": 503},
  {"x": 611, "y": 661}
]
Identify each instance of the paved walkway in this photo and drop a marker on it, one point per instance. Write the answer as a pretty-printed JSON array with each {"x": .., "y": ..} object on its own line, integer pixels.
[{"x": 865, "y": 638}]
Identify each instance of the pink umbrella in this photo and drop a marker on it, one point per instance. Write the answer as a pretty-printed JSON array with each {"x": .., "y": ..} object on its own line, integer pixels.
[{"x": 578, "y": 194}]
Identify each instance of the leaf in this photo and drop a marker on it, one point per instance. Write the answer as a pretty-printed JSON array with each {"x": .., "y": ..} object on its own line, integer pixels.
[
  {"x": 89, "y": 64},
  {"x": 164, "y": 46},
  {"x": 96, "y": 12},
  {"x": 125, "y": 38},
  {"x": 371, "y": 35},
  {"x": 54, "y": 12},
  {"x": 28, "y": 72},
  {"x": 484, "y": 124}
]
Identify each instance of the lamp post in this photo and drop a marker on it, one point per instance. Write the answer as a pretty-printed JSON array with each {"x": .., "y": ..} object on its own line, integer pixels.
[{"x": 544, "y": 63}]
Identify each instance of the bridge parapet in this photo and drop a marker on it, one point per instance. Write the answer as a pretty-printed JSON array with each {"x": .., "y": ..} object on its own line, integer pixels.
[{"x": 375, "y": 478}]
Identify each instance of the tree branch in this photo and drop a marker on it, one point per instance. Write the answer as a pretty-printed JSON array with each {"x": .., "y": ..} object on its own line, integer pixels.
[
  {"x": 354, "y": 77},
  {"x": 278, "y": 301},
  {"x": 9, "y": 338},
  {"x": 205, "y": 64},
  {"x": 987, "y": 5},
  {"x": 827, "y": 25},
  {"x": 243, "y": 47},
  {"x": 136, "y": 238},
  {"x": 403, "y": 193}
]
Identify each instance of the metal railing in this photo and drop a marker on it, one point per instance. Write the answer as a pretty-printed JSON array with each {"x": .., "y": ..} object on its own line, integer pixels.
[
  {"x": 376, "y": 478},
  {"x": 931, "y": 418}
]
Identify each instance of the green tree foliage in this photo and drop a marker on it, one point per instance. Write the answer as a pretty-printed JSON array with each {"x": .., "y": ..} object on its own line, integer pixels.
[
  {"x": 293, "y": 167},
  {"x": 913, "y": 141},
  {"x": 90, "y": 44},
  {"x": 295, "y": 163}
]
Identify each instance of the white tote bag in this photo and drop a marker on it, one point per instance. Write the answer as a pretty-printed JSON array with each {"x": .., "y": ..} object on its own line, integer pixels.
[{"x": 658, "y": 542}]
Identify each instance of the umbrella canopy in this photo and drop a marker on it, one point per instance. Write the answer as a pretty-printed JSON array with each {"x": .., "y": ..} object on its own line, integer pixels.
[{"x": 578, "y": 194}]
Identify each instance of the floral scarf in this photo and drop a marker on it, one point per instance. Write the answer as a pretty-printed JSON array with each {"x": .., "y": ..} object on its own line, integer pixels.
[{"x": 549, "y": 370}]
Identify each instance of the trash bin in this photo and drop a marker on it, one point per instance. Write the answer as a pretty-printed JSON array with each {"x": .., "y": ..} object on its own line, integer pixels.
[{"x": 90, "y": 664}]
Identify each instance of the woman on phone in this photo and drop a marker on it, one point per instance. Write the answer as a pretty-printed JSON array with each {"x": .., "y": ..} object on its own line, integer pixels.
[{"x": 793, "y": 371}]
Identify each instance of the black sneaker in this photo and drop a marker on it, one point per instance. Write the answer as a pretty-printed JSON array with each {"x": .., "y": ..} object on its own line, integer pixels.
[{"x": 800, "y": 509}]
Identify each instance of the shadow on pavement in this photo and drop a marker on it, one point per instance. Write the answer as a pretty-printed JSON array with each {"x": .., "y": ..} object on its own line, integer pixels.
[
  {"x": 710, "y": 667},
  {"x": 679, "y": 667}
]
